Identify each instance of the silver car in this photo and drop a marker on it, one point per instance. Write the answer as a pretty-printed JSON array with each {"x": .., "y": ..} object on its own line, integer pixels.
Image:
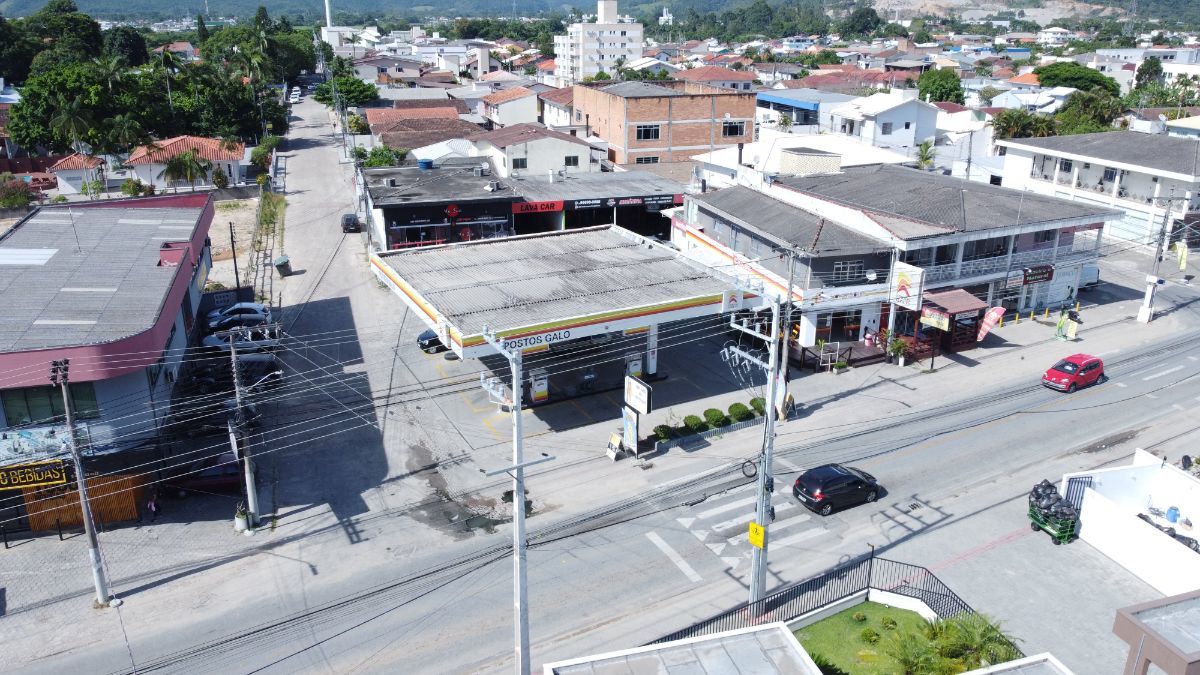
[{"x": 247, "y": 311}]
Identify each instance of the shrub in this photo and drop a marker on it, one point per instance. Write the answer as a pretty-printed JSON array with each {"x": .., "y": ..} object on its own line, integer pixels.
[
  {"x": 825, "y": 665},
  {"x": 219, "y": 179},
  {"x": 888, "y": 623},
  {"x": 859, "y": 617},
  {"x": 357, "y": 124},
  {"x": 694, "y": 424},
  {"x": 662, "y": 432},
  {"x": 359, "y": 152},
  {"x": 869, "y": 636},
  {"x": 759, "y": 404},
  {"x": 739, "y": 412},
  {"x": 131, "y": 187},
  {"x": 15, "y": 194},
  {"x": 148, "y": 190},
  {"x": 262, "y": 179},
  {"x": 59, "y": 199},
  {"x": 715, "y": 418},
  {"x": 840, "y": 365}
]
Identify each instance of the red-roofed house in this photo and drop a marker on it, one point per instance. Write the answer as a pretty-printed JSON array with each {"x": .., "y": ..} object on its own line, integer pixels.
[
  {"x": 510, "y": 106},
  {"x": 533, "y": 150},
  {"x": 184, "y": 51},
  {"x": 73, "y": 170},
  {"x": 951, "y": 107},
  {"x": 149, "y": 161},
  {"x": 716, "y": 76},
  {"x": 383, "y": 120},
  {"x": 1027, "y": 81}
]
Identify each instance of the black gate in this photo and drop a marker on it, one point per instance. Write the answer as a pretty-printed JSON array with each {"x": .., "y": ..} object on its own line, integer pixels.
[{"x": 1075, "y": 488}]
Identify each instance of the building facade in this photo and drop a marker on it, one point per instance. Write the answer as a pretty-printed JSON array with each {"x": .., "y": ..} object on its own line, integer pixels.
[{"x": 592, "y": 48}]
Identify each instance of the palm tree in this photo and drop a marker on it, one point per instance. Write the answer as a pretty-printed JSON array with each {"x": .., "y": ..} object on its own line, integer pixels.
[
  {"x": 1042, "y": 127},
  {"x": 925, "y": 157},
  {"x": 123, "y": 133},
  {"x": 976, "y": 640},
  {"x": 915, "y": 654},
  {"x": 111, "y": 69},
  {"x": 73, "y": 120},
  {"x": 188, "y": 166}
]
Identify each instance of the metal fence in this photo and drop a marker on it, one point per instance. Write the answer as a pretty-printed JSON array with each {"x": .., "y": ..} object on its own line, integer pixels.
[{"x": 855, "y": 576}]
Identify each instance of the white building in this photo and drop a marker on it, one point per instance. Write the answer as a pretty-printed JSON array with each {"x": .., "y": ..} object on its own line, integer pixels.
[
  {"x": 897, "y": 119},
  {"x": 667, "y": 18},
  {"x": 534, "y": 150},
  {"x": 1053, "y": 36},
  {"x": 591, "y": 48},
  {"x": 149, "y": 162},
  {"x": 1125, "y": 170},
  {"x": 1188, "y": 127},
  {"x": 506, "y": 107}
]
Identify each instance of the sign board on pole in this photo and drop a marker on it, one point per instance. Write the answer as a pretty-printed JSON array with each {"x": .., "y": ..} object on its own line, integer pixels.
[
  {"x": 757, "y": 534},
  {"x": 33, "y": 474},
  {"x": 638, "y": 395},
  {"x": 1015, "y": 279},
  {"x": 629, "y": 437},
  {"x": 935, "y": 317},
  {"x": 904, "y": 288}
]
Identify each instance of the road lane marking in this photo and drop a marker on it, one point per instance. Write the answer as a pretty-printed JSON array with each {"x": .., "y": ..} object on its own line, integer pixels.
[
  {"x": 1193, "y": 358},
  {"x": 1151, "y": 396},
  {"x": 1168, "y": 371},
  {"x": 673, "y": 556},
  {"x": 745, "y": 519},
  {"x": 686, "y": 522},
  {"x": 792, "y": 468},
  {"x": 1122, "y": 385},
  {"x": 727, "y": 507},
  {"x": 807, "y": 534}
]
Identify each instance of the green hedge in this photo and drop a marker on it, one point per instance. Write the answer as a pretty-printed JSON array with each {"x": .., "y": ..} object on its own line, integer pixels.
[
  {"x": 759, "y": 404},
  {"x": 739, "y": 412},
  {"x": 715, "y": 418}
]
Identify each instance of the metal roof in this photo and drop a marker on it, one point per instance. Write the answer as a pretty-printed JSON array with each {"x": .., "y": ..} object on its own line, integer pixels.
[
  {"x": 80, "y": 276},
  {"x": 1172, "y": 154},
  {"x": 637, "y": 89},
  {"x": 913, "y": 204},
  {"x": 594, "y": 185},
  {"x": 579, "y": 282},
  {"x": 786, "y": 223},
  {"x": 808, "y": 99}
]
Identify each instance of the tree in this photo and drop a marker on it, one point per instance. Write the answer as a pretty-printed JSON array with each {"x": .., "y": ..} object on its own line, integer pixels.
[
  {"x": 201, "y": 30},
  {"x": 381, "y": 155},
  {"x": 1018, "y": 123},
  {"x": 72, "y": 121},
  {"x": 923, "y": 37},
  {"x": 914, "y": 654},
  {"x": 17, "y": 49},
  {"x": 940, "y": 85},
  {"x": 127, "y": 44},
  {"x": 1150, "y": 72},
  {"x": 1086, "y": 112},
  {"x": 785, "y": 122},
  {"x": 110, "y": 69},
  {"x": 1071, "y": 74},
  {"x": 350, "y": 90},
  {"x": 925, "y": 156},
  {"x": 975, "y": 640},
  {"x": 862, "y": 21},
  {"x": 987, "y": 94},
  {"x": 63, "y": 28},
  {"x": 14, "y": 192},
  {"x": 187, "y": 166}
]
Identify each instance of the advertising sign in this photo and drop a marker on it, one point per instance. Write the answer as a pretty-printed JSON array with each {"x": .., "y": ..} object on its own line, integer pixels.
[
  {"x": 1181, "y": 250},
  {"x": 638, "y": 395},
  {"x": 540, "y": 385},
  {"x": 629, "y": 435},
  {"x": 537, "y": 340},
  {"x": 935, "y": 318},
  {"x": 537, "y": 207},
  {"x": 1016, "y": 279},
  {"x": 610, "y": 202},
  {"x": 34, "y": 474},
  {"x": 757, "y": 534},
  {"x": 904, "y": 288},
  {"x": 989, "y": 322},
  {"x": 1038, "y": 274}
]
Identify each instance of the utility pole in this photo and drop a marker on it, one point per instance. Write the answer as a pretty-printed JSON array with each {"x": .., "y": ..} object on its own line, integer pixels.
[
  {"x": 517, "y": 471},
  {"x": 766, "y": 480},
  {"x": 1146, "y": 311},
  {"x": 58, "y": 376},
  {"x": 233, "y": 423},
  {"x": 237, "y": 279}
]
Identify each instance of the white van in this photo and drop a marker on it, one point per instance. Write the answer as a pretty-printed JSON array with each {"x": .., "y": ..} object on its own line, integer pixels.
[{"x": 1089, "y": 277}]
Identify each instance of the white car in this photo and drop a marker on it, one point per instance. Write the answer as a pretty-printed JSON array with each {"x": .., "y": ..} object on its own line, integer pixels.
[{"x": 294, "y": 100}]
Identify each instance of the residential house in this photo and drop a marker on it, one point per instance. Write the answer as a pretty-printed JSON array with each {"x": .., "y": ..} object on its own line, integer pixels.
[
  {"x": 149, "y": 162},
  {"x": 1151, "y": 178},
  {"x": 534, "y": 150},
  {"x": 545, "y": 72},
  {"x": 807, "y": 109},
  {"x": 648, "y": 123},
  {"x": 558, "y": 111},
  {"x": 715, "y": 76},
  {"x": 76, "y": 169},
  {"x": 589, "y": 49},
  {"x": 383, "y": 69},
  {"x": 897, "y": 119},
  {"x": 383, "y": 120},
  {"x": 1045, "y": 101},
  {"x": 412, "y": 133},
  {"x": 650, "y": 64},
  {"x": 115, "y": 288},
  {"x": 1188, "y": 127},
  {"x": 183, "y": 51},
  {"x": 1053, "y": 36},
  {"x": 510, "y": 106},
  {"x": 769, "y": 73}
]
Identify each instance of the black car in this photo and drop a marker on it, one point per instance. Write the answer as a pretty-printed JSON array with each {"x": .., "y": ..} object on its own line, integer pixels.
[
  {"x": 350, "y": 222},
  {"x": 429, "y": 343},
  {"x": 832, "y": 486}
]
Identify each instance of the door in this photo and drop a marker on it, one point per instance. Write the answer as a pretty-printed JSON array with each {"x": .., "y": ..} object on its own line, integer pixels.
[
  {"x": 840, "y": 492},
  {"x": 1090, "y": 372}
]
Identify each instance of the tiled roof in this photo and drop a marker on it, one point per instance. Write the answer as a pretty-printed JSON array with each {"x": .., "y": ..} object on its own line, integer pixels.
[
  {"x": 1027, "y": 78},
  {"x": 421, "y": 132},
  {"x": 76, "y": 162},
  {"x": 951, "y": 107},
  {"x": 459, "y": 105},
  {"x": 713, "y": 74},
  {"x": 524, "y": 133},
  {"x": 499, "y": 76},
  {"x": 507, "y": 95},
  {"x": 547, "y": 65},
  {"x": 563, "y": 97},
  {"x": 175, "y": 47},
  {"x": 206, "y": 148}
]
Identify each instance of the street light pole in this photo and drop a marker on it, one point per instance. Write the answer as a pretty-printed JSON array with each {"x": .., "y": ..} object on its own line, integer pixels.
[
  {"x": 1146, "y": 311},
  {"x": 58, "y": 376},
  {"x": 233, "y": 423},
  {"x": 766, "y": 481}
]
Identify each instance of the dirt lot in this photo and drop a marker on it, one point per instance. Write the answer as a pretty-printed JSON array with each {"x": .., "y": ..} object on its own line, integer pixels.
[{"x": 241, "y": 213}]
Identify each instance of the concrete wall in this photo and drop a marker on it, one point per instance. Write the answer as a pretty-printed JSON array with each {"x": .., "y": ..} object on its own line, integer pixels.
[
  {"x": 513, "y": 112},
  {"x": 1117, "y": 532},
  {"x": 540, "y": 155}
]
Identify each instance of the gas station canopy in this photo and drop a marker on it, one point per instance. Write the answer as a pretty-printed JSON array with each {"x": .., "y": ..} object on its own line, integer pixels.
[{"x": 539, "y": 289}]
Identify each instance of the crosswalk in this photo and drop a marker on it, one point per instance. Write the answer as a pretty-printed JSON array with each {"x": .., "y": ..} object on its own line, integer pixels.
[{"x": 722, "y": 522}]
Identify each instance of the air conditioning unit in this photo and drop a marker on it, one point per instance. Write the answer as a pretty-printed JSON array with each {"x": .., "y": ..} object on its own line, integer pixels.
[
  {"x": 391, "y": 182},
  {"x": 477, "y": 172},
  {"x": 493, "y": 186}
]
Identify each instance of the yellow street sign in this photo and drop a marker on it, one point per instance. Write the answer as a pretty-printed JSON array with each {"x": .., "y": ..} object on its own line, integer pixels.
[{"x": 756, "y": 534}]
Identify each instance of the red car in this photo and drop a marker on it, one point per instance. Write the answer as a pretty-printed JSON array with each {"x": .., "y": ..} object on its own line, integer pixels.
[{"x": 1073, "y": 372}]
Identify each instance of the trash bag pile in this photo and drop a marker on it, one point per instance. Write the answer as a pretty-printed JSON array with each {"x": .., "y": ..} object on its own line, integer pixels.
[
  {"x": 1170, "y": 532},
  {"x": 1049, "y": 504}
]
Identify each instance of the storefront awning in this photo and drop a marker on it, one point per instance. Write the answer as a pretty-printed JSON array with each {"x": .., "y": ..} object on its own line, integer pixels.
[{"x": 955, "y": 302}]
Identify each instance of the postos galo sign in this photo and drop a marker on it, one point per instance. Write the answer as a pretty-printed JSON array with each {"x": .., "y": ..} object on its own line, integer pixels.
[
  {"x": 35, "y": 474},
  {"x": 537, "y": 340}
]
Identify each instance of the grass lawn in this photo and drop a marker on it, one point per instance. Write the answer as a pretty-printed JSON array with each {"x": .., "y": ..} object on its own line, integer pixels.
[{"x": 838, "y": 638}]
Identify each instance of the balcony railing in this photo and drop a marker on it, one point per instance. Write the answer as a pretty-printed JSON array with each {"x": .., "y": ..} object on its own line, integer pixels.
[{"x": 985, "y": 266}]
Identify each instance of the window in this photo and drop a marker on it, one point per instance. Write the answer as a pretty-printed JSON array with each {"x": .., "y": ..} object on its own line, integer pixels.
[
  {"x": 1044, "y": 236},
  {"x": 44, "y": 405},
  {"x": 908, "y": 125},
  {"x": 847, "y": 270},
  {"x": 381, "y": 70},
  {"x": 520, "y": 163},
  {"x": 1065, "y": 166},
  {"x": 646, "y": 160},
  {"x": 571, "y": 160},
  {"x": 745, "y": 85},
  {"x": 647, "y": 132},
  {"x": 733, "y": 129},
  {"x": 1110, "y": 175},
  {"x": 887, "y": 129}
]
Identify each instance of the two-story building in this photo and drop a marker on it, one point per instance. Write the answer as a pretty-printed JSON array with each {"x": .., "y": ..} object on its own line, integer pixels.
[
  {"x": 897, "y": 119},
  {"x": 648, "y": 123},
  {"x": 385, "y": 69},
  {"x": 534, "y": 150},
  {"x": 716, "y": 76},
  {"x": 807, "y": 110},
  {"x": 557, "y": 111},
  {"x": 506, "y": 107},
  {"x": 1150, "y": 177}
]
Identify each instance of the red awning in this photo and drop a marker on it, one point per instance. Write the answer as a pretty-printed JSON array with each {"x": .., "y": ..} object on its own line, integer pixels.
[{"x": 954, "y": 302}]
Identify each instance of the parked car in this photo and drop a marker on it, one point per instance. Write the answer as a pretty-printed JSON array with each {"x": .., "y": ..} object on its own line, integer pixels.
[
  {"x": 259, "y": 339},
  {"x": 429, "y": 342},
  {"x": 221, "y": 473},
  {"x": 833, "y": 486},
  {"x": 236, "y": 321},
  {"x": 1073, "y": 372},
  {"x": 262, "y": 369},
  {"x": 350, "y": 223},
  {"x": 241, "y": 309}
]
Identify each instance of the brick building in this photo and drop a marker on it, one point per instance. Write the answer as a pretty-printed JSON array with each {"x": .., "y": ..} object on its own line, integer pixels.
[{"x": 646, "y": 123}]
